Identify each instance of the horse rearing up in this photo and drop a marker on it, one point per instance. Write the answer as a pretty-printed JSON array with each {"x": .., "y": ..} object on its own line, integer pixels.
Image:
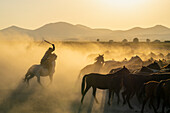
[{"x": 112, "y": 82}]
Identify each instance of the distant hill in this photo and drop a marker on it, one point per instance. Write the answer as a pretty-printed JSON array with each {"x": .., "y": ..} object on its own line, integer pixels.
[{"x": 67, "y": 31}]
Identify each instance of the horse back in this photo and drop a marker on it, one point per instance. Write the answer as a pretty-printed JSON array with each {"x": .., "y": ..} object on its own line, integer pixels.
[
  {"x": 97, "y": 80},
  {"x": 34, "y": 68},
  {"x": 102, "y": 81}
]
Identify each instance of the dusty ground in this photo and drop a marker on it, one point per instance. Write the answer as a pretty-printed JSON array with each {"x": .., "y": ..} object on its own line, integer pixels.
[{"x": 62, "y": 96}]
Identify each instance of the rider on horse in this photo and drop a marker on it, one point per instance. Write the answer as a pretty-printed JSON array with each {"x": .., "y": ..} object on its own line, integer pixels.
[
  {"x": 47, "y": 63},
  {"x": 48, "y": 58}
]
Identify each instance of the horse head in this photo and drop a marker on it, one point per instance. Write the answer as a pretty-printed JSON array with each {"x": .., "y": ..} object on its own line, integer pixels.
[
  {"x": 100, "y": 59},
  {"x": 125, "y": 70}
]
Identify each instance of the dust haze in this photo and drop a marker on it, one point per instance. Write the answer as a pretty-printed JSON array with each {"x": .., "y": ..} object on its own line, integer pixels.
[{"x": 63, "y": 95}]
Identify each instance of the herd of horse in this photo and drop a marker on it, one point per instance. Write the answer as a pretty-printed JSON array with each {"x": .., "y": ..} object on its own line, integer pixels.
[
  {"x": 149, "y": 83},
  {"x": 148, "y": 80}
]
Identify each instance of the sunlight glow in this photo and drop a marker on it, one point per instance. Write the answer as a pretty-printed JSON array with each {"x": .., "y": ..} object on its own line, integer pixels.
[{"x": 125, "y": 4}]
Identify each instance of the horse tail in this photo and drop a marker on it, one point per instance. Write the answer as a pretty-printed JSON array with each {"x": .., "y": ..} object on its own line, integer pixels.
[
  {"x": 83, "y": 84},
  {"x": 159, "y": 92}
]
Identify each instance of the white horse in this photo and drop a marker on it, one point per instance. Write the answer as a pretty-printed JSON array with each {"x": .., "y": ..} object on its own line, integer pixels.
[{"x": 39, "y": 70}]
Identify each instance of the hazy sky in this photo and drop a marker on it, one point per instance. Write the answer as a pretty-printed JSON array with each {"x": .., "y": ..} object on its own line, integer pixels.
[{"x": 112, "y": 14}]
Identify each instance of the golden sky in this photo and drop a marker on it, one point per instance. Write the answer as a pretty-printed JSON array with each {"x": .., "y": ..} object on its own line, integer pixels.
[{"x": 111, "y": 14}]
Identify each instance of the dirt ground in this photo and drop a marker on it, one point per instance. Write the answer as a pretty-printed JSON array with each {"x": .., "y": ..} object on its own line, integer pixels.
[{"x": 62, "y": 96}]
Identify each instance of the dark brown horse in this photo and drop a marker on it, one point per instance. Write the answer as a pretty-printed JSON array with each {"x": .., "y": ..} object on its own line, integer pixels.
[
  {"x": 149, "y": 90},
  {"x": 112, "y": 82},
  {"x": 132, "y": 85},
  {"x": 163, "y": 91}
]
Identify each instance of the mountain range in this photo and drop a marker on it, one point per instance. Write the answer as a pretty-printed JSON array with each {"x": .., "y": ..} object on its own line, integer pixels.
[{"x": 67, "y": 31}]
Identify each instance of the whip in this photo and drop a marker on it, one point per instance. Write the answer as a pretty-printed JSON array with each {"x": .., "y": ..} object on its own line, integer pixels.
[{"x": 47, "y": 42}]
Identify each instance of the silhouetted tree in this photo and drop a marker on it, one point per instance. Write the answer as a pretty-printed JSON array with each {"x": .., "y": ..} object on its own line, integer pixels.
[
  {"x": 167, "y": 41},
  {"x": 135, "y": 40},
  {"x": 124, "y": 40},
  {"x": 98, "y": 40},
  {"x": 148, "y": 40}
]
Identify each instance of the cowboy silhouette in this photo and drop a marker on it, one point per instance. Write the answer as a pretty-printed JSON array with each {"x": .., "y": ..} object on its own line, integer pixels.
[{"x": 47, "y": 58}]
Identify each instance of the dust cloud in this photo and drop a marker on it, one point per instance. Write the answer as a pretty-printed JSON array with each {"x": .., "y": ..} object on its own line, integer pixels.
[
  {"x": 63, "y": 95},
  {"x": 60, "y": 97}
]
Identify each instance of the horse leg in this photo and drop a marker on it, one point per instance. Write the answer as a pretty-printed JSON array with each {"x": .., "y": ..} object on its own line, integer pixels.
[
  {"x": 118, "y": 98},
  {"x": 143, "y": 105},
  {"x": 154, "y": 108},
  {"x": 26, "y": 76},
  {"x": 38, "y": 80},
  {"x": 163, "y": 106},
  {"x": 84, "y": 93},
  {"x": 123, "y": 96},
  {"x": 94, "y": 94},
  {"x": 138, "y": 97},
  {"x": 128, "y": 100},
  {"x": 51, "y": 79},
  {"x": 110, "y": 94},
  {"x": 150, "y": 106}
]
